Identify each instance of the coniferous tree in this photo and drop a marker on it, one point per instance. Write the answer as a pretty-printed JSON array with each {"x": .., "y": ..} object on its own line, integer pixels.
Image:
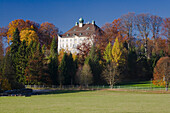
[
  {"x": 8, "y": 74},
  {"x": 34, "y": 70},
  {"x": 131, "y": 64},
  {"x": 21, "y": 63},
  {"x": 71, "y": 66},
  {"x": 14, "y": 47},
  {"x": 63, "y": 70},
  {"x": 53, "y": 65},
  {"x": 93, "y": 61}
]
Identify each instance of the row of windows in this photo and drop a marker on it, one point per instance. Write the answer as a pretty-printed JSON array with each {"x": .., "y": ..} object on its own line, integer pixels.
[
  {"x": 80, "y": 34},
  {"x": 62, "y": 40},
  {"x": 70, "y": 45}
]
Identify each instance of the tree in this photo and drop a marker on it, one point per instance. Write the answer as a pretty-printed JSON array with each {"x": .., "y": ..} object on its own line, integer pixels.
[
  {"x": 127, "y": 23},
  {"x": 62, "y": 70},
  {"x": 21, "y": 63},
  {"x": 34, "y": 70},
  {"x": 53, "y": 64},
  {"x": 110, "y": 73},
  {"x": 47, "y": 32},
  {"x": 93, "y": 60},
  {"x": 86, "y": 75},
  {"x": 156, "y": 23},
  {"x": 8, "y": 74},
  {"x": 53, "y": 48},
  {"x": 162, "y": 72},
  {"x": 108, "y": 53},
  {"x": 132, "y": 65},
  {"x": 21, "y": 25},
  {"x": 15, "y": 47},
  {"x": 29, "y": 35},
  {"x": 71, "y": 64},
  {"x": 143, "y": 27},
  {"x": 117, "y": 54}
]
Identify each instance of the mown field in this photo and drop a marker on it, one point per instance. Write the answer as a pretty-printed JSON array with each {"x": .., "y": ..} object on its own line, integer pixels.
[{"x": 101, "y": 101}]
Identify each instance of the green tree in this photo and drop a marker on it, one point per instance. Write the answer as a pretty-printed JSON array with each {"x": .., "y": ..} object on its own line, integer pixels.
[
  {"x": 21, "y": 63},
  {"x": 8, "y": 74},
  {"x": 34, "y": 70},
  {"x": 62, "y": 70},
  {"x": 108, "y": 53},
  {"x": 132, "y": 65},
  {"x": 71, "y": 66},
  {"x": 53, "y": 64},
  {"x": 14, "y": 47},
  {"x": 53, "y": 48},
  {"x": 94, "y": 58}
]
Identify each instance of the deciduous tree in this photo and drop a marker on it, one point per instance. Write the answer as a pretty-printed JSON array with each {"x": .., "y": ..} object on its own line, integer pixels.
[
  {"x": 162, "y": 72},
  {"x": 86, "y": 76}
]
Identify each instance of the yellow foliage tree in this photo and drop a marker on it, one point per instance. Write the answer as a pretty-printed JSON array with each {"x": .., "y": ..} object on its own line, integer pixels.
[
  {"x": 29, "y": 35},
  {"x": 117, "y": 52}
]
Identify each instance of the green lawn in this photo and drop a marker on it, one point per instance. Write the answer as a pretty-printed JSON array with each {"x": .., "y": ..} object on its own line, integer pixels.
[{"x": 88, "y": 101}]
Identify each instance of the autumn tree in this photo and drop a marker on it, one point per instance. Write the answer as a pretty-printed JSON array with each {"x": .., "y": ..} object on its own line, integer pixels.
[
  {"x": 28, "y": 36},
  {"x": 21, "y": 25},
  {"x": 117, "y": 53},
  {"x": 86, "y": 76},
  {"x": 110, "y": 74},
  {"x": 108, "y": 53},
  {"x": 47, "y": 32},
  {"x": 166, "y": 33},
  {"x": 162, "y": 72},
  {"x": 156, "y": 23},
  {"x": 143, "y": 27}
]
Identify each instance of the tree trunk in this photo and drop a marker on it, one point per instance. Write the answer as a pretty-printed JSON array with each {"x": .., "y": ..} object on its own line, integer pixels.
[
  {"x": 167, "y": 84},
  {"x": 111, "y": 86}
]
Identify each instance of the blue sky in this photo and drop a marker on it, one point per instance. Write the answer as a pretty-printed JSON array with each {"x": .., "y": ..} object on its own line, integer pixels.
[{"x": 64, "y": 13}]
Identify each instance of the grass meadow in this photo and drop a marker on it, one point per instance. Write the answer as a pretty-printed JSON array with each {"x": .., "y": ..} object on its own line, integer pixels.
[{"x": 100, "y": 101}]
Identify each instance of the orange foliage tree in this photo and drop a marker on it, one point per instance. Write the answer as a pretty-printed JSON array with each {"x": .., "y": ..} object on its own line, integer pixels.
[
  {"x": 46, "y": 33},
  {"x": 162, "y": 72},
  {"x": 21, "y": 25}
]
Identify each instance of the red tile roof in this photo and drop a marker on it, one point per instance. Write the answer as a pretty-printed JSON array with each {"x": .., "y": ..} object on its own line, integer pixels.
[{"x": 85, "y": 30}]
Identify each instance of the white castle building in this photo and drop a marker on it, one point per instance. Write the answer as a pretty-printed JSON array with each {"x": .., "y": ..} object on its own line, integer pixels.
[{"x": 77, "y": 35}]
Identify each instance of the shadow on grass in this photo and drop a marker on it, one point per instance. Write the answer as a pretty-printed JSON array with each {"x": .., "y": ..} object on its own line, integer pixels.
[{"x": 58, "y": 92}]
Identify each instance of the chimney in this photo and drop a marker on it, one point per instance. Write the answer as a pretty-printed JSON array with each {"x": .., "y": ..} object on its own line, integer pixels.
[
  {"x": 93, "y": 22},
  {"x": 76, "y": 24},
  {"x": 81, "y": 22}
]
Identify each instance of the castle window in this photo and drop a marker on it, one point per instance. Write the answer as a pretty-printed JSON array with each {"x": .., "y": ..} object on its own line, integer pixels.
[
  {"x": 75, "y": 29},
  {"x": 88, "y": 28},
  {"x": 81, "y": 34},
  {"x": 68, "y": 34}
]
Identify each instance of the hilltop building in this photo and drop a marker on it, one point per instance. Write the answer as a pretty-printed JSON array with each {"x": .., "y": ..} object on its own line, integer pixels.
[{"x": 76, "y": 35}]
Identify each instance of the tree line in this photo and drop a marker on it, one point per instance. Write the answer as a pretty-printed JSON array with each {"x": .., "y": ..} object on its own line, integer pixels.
[{"x": 126, "y": 50}]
